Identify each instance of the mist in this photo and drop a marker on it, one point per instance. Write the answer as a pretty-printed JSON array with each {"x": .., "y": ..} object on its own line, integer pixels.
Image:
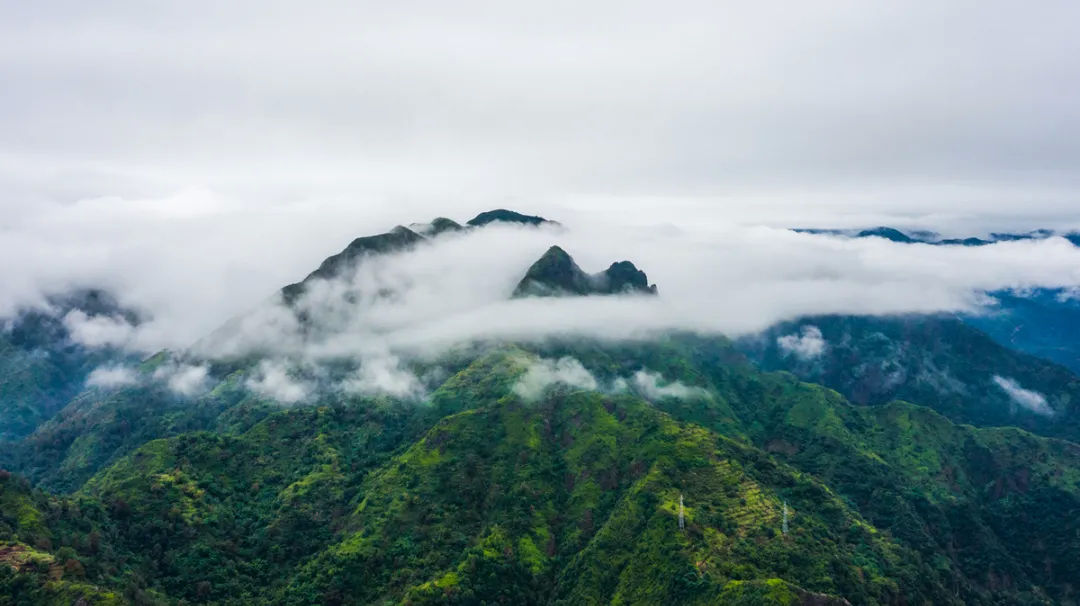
[
  {"x": 733, "y": 280},
  {"x": 455, "y": 289},
  {"x": 194, "y": 160}
]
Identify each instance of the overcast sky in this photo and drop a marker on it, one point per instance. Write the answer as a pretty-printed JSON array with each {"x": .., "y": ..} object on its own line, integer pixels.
[
  {"x": 909, "y": 106},
  {"x": 250, "y": 140}
]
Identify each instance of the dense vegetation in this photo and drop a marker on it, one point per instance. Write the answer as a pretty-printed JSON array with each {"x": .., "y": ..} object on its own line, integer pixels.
[
  {"x": 480, "y": 495},
  {"x": 937, "y": 361},
  {"x": 1042, "y": 322},
  {"x": 41, "y": 367}
]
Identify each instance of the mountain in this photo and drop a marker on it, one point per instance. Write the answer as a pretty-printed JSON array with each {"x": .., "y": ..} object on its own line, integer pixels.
[
  {"x": 437, "y": 226},
  {"x": 937, "y": 361},
  {"x": 930, "y": 237},
  {"x": 396, "y": 240},
  {"x": 556, "y": 274},
  {"x": 100, "y": 425},
  {"x": 56, "y": 550},
  {"x": 574, "y": 497},
  {"x": 829, "y": 461},
  {"x": 506, "y": 216},
  {"x": 885, "y": 232},
  {"x": 41, "y": 366},
  {"x": 400, "y": 239},
  {"x": 1041, "y": 322},
  {"x": 89, "y": 428}
]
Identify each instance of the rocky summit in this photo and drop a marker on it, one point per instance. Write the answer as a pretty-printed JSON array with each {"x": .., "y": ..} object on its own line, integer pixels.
[{"x": 555, "y": 274}]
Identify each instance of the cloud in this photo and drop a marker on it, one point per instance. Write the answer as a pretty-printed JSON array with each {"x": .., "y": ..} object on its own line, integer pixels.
[
  {"x": 807, "y": 346},
  {"x": 240, "y": 163},
  {"x": 652, "y": 386},
  {"x": 735, "y": 281},
  {"x": 272, "y": 379},
  {"x": 1026, "y": 398},
  {"x": 544, "y": 373},
  {"x": 112, "y": 376},
  {"x": 383, "y": 374},
  {"x": 98, "y": 331},
  {"x": 1068, "y": 294},
  {"x": 184, "y": 379},
  {"x": 730, "y": 279},
  {"x": 243, "y": 158}
]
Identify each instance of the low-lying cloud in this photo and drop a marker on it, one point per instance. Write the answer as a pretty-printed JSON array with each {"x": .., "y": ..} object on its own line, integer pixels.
[
  {"x": 737, "y": 281},
  {"x": 543, "y": 373},
  {"x": 726, "y": 279},
  {"x": 1029, "y": 400},
  {"x": 112, "y": 376},
  {"x": 652, "y": 386},
  {"x": 98, "y": 331},
  {"x": 383, "y": 374},
  {"x": 807, "y": 345},
  {"x": 272, "y": 379},
  {"x": 184, "y": 379}
]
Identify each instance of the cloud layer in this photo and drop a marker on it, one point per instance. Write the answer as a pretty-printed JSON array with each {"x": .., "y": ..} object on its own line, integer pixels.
[
  {"x": 732, "y": 281},
  {"x": 729, "y": 279},
  {"x": 681, "y": 139}
]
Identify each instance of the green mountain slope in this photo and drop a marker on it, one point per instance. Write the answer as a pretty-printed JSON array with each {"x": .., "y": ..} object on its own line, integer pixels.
[
  {"x": 100, "y": 425},
  {"x": 41, "y": 368},
  {"x": 939, "y": 362},
  {"x": 58, "y": 551},
  {"x": 573, "y": 498},
  {"x": 230, "y": 514}
]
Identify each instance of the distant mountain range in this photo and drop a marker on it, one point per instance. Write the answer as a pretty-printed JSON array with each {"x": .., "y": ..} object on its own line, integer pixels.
[
  {"x": 929, "y": 237},
  {"x": 831, "y": 460},
  {"x": 1040, "y": 321}
]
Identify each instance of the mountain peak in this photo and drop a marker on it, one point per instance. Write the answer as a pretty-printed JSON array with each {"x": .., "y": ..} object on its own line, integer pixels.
[
  {"x": 437, "y": 226},
  {"x": 442, "y": 224},
  {"x": 506, "y": 216},
  {"x": 397, "y": 239},
  {"x": 624, "y": 276},
  {"x": 889, "y": 233},
  {"x": 555, "y": 274}
]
